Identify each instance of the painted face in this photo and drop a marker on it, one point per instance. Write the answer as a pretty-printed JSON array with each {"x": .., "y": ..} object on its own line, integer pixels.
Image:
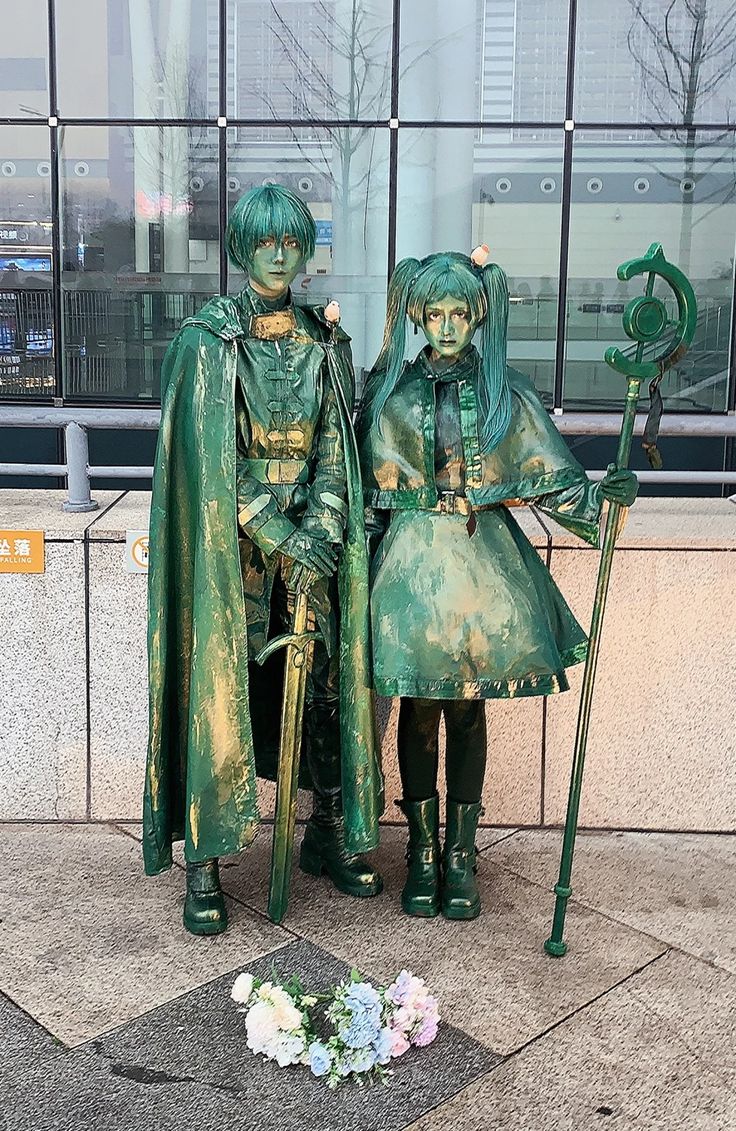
[
  {"x": 275, "y": 264},
  {"x": 447, "y": 326}
]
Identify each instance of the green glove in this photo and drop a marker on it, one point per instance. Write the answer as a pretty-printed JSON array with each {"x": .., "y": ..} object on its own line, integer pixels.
[
  {"x": 314, "y": 554},
  {"x": 619, "y": 487}
]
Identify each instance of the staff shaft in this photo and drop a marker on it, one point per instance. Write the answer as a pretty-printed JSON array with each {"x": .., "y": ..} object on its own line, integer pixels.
[{"x": 555, "y": 944}]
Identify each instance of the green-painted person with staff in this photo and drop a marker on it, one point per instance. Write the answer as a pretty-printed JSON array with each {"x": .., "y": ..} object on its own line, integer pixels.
[
  {"x": 256, "y": 496},
  {"x": 462, "y": 607}
]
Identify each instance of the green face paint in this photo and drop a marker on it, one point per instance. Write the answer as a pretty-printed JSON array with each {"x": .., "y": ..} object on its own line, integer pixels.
[
  {"x": 448, "y": 327},
  {"x": 275, "y": 264}
]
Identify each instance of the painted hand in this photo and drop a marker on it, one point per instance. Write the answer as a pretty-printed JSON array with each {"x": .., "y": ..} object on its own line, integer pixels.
[
  {"x": 312, "y": 553},
  {"x": 619, "y": 486}
]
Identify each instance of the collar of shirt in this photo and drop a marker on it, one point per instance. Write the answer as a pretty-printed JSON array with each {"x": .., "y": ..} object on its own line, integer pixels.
[{"x": 463, "y": 366}]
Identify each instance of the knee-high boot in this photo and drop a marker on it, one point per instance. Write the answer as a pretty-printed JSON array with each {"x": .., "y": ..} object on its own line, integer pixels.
[{"x": 323, "y": 848}]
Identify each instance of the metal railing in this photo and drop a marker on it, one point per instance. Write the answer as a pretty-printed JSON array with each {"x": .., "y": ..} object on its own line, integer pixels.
[{"x": 79, "y": 472}]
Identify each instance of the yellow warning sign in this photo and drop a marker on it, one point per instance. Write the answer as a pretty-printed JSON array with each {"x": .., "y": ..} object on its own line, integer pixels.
[{"x": 21, "y": 551}]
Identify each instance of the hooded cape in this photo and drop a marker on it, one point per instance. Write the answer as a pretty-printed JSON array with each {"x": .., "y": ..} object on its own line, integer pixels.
[{"x": 200, "y": 775}]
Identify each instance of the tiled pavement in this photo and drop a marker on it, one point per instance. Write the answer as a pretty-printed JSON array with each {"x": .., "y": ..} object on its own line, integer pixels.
[{"x": 111, "y": 1017}]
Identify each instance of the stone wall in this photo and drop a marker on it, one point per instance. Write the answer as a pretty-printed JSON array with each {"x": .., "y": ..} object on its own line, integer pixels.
[{"x": 662, "y": 748}]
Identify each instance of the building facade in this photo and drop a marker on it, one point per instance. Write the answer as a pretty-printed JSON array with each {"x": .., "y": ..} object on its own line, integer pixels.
[{"x": 567, "y": 135}]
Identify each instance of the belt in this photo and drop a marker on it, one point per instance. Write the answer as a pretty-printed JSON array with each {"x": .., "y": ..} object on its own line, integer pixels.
[
  {"x": 277, "y": 470},
  {"x": 450, "y": 503}
]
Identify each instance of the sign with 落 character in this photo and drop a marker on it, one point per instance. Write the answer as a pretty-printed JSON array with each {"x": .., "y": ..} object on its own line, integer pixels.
[{"x": 21, "y": 551}]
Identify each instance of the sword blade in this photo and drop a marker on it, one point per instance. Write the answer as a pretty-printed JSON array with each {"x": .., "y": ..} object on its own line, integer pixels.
[{"x": 292, "y": 717}]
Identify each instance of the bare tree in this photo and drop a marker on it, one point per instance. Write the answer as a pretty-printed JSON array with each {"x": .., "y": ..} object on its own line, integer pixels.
[{"x": 686, "y": 52}]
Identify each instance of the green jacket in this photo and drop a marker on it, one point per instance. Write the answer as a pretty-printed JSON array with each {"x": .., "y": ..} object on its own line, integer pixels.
[
  {"x": 200, "y": 776},
  {"x": 532, "y": 463}
]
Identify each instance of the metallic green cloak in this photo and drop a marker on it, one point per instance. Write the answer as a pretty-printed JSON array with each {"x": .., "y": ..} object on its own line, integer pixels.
[{"x": 200, "y": 775}]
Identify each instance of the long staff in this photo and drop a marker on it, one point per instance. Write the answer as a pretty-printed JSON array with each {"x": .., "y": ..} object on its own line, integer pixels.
[{"x": 645, "y": 321}]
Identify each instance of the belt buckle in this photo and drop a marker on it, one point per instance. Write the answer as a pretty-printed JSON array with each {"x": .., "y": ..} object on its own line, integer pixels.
[{"x": 448, "y": 500}]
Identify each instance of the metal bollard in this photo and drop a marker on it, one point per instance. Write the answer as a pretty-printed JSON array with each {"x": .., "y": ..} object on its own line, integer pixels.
[{"x": 77, "y": 461}]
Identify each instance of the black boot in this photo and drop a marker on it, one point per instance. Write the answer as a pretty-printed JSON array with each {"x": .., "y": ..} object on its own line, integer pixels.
[
  {"x": 460, "y": 898},
  {"x": 323, "y": 849},
  {"x": 421, "y": 894},
  {"x": 204, "y": 906}
]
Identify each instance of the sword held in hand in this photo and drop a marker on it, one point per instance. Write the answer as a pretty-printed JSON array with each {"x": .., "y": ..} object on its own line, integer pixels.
[{"x": 299, "y": 644}]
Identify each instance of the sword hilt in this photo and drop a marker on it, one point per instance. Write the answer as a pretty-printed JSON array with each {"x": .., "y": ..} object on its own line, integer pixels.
[{"x": 298, "y": 640}]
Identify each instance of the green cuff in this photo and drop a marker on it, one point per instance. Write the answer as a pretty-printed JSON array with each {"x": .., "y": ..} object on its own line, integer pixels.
[{"x": 272, "y": 534}]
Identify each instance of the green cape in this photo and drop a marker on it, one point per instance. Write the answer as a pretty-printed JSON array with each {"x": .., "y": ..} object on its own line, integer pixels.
[{"x": 200, "y": 775}]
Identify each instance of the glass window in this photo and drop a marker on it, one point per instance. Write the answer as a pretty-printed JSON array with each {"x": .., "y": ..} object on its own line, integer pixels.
[
  {"x": 24, "y": 62},
  {"x": 26, "y": 318},
  {"x": 655, "y": 61},
  {"x": 501, "y": 61},
  {"x": 461, "y": 187},
  {"x": 137, "y": 58},
  {"x": 342, "y": 174},
  {"x": 679, "y": 192},
  {"x": 140, "y": 250},
  {"x": 309, "y": 59}
]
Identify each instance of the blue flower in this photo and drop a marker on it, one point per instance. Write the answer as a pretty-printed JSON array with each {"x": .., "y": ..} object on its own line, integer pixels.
[
  {"x": 362, "y": 1030},
  {"x": 383, "y": 1046},
  {"x": 362, "y": 993},
  {"x": 320, "y": 1059}
]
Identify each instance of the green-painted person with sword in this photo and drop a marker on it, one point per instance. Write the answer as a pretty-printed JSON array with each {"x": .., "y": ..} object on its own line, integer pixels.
[{"x": 257, "y": 498}]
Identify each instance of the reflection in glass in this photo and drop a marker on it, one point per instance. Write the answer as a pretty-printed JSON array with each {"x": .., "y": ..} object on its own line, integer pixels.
[
  {"x": 137, "y": 58},
  {"x": 24, "y": 61},
  {"x": 140, "y": 250},
  {"x": 309, "y": 59},
  {"x": 342, "y": 174},
  {"x": 458, "y": 188},
  {"x": 501, "y": 61},
  {"x": 26, "y": 318},
  {"x": 645, "y": 196},
  {"x": 656, "y": 61}
]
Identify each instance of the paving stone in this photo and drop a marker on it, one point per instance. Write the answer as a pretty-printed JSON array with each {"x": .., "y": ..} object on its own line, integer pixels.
[
  {"x": 22, "y": 1040},
  {"x": 186, "y": 1065},
  {"x": 678, "y": 887},
  {"x": 491, "y": 975},
  {"x": 88, "y": 941},
  {"x": 655, "y": 1054}
]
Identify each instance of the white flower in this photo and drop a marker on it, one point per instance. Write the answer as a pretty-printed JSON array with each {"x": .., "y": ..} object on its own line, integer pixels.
[
  {"x": 332, "y": 311},
  {"x": 286, "y": 1014},
  {"x": 479, "y": 255},
  {"x": 242, "y": 988},
  {"x": 261, "y": 1027}
]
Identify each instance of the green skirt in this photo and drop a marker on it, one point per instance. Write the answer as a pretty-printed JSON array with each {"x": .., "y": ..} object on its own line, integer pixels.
[{"x": 455, "y": 617}]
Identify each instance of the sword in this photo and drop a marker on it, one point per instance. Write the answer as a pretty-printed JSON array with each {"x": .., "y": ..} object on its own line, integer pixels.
[{"x": 299, "y": 644}]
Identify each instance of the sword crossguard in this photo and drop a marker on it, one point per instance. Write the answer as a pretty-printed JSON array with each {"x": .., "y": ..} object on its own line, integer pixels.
[{"x": 298, "y": 640}]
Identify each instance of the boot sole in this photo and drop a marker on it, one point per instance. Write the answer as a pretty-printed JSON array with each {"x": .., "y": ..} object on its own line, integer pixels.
[
  {"x": 420, "y": 912},
  {"x": 314, "y": 866},
  {"x": 461, "y": 912},
  {"x": 195, "y": 928}
]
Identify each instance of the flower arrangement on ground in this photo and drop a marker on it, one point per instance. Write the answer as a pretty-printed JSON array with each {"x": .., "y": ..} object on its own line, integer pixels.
[{"x": 353, "y": 1031}]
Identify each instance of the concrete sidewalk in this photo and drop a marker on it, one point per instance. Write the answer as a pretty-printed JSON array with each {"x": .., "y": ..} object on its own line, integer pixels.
[{"x": 112, "y": 1017}]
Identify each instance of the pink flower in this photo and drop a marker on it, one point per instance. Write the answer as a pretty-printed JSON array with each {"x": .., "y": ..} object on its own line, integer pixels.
[
  {"x": 427, "y": 1033},
  {"x": 399, "y": 1043},
  {"x": 332, "y": 311},
  {"x": 479, "y": 255}
]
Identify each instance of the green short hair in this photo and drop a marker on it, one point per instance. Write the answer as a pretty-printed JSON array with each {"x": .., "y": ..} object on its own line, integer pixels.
[{"x": 268, "y": 210}]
